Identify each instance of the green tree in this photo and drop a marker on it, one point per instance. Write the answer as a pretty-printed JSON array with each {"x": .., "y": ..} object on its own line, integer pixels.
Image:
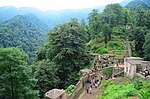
[
  {"x": 113, "y": 14},
  {"x": 128, "y": 17},
  {"x": 66, "y": 49},
  {"x": 146, "y": 47},
  {"x": 142, "y": 18},
  {"x": 84, "y": 26},
  {"x": 139, "y": 37},
  {"x": 46, "y": 74},
  {"x": 16, "y": 80},
  {"x": 108, "y": 71},
  {"x": 93, "y": 22},
  {"x": 41, "y": 54},
  {"x": 107, "y": 33}
]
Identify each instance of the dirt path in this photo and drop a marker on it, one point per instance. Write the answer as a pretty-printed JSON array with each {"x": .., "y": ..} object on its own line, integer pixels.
[
  {"x": 96, "y": 93},
  {"x": 121, "y": 79}
]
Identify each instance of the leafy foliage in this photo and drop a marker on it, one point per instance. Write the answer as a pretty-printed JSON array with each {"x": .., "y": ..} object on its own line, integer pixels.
[
  {"x": 116, "y": 25},
  {"x": 109, "y": 24},
  {"x": 69, "y": 89},
  {"x": 46, "y": 74},
  {"x": 146, "y": 47},
  {"x": 93, "y": 23},
  {"x": 25, "y": 32},
  {"x": 66, "y": 48},
  {"x": 16, "y": 80},
  {"x": 118, "y": 52},
  {"x": 104, "y": 84},
  {"x": 128, "y": 89},
  {"x": 139, "y": 37},
  {"x": 124, "y": 91},
  {"x": 101, "y": 50},
  {"x": 108, "y": 71},
  {"x": 58, "y": 63}
]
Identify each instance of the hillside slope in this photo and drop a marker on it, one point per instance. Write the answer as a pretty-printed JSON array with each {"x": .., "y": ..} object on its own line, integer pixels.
[
  {"x": 136, "y": 4},
  {"x": 24, "y": 31}
]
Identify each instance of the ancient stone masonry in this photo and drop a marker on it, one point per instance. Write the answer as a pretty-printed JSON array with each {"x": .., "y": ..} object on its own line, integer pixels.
[
  {"x": 136, "y": 65},
  {"x": 56, "y": 94}
]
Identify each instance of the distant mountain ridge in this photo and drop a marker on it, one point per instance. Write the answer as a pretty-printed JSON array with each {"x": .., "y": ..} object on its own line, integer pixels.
[
  {"x": 51, "y": 17},
  {"x": 125, "y": 2},
  {"x": 147, "y": 2},
  {"x": 135, "y": 4}
]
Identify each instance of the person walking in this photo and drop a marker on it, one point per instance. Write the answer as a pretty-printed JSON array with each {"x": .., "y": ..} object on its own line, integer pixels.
[
  {"x": 101, "y": 78},
  {"x": 87, "y": 89},
  {"x": 96, "y": 85},
  {"x": 90, "y": 90},
  {"x": 91, "y": 83}
]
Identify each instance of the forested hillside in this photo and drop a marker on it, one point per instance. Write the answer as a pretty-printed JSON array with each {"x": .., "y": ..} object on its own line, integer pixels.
[
  {"x": 136, "y": 4},
  {"x": 105, "y": 32},
  {"x": 65, "y": 54},
  {"x": 58, "y": 57},
  {"x": 109, "y": 30},
  {"x": 25, "y": 32},
  {"x": 16, "y": 80},
  {"x": 140, "y": 28}
]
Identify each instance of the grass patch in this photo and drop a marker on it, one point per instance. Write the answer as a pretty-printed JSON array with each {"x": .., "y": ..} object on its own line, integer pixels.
[
  {"x": 101, "y": 50},
  {"x": 97, "y": 45},
  {"x": 126, "y": 90},
  {"x": 119, "y": 91},
  {"x": 104, "y": 84},
  {"x": 118, "y": 52}
]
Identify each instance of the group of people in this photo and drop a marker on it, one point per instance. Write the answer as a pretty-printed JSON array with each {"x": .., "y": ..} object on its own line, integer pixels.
[
  {"x": 93, "y": 84},
  {"x": 145, "y": 72}
]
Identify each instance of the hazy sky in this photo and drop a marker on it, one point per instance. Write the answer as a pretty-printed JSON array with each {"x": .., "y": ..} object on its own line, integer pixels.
[{"x": 57, "y": 4}]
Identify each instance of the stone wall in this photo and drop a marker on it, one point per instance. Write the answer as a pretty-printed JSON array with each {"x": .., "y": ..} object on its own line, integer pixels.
[
  {"x": 142, "y": 77},
  {"x": 79, "y": 88}
]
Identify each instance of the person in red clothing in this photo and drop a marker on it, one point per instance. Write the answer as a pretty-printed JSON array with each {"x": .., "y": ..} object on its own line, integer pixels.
[{"x": 93, "y": 83}]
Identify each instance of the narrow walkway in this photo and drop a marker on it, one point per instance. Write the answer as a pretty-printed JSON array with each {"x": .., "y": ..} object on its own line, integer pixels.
[{"x": 95, "y": 94}]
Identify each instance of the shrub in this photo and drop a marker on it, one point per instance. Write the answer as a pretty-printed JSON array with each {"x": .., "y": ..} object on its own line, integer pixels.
[
  {"x": 108, "y": 71},
  {"x": 118, "y": 52},
  {"x": 104, "y": 83},
  {"x": 119, "y": 91},
  {"x": 144, "y": 94},
  {"x": 102, "y": 50},
  {"x": 69, "y": 89}
]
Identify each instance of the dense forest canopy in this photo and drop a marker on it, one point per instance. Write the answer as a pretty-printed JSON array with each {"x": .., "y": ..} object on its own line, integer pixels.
[
  {"x": 56, "y": 59},
  {"x": 25, "y": 32},
  {"x": 16, "y": 80}
]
